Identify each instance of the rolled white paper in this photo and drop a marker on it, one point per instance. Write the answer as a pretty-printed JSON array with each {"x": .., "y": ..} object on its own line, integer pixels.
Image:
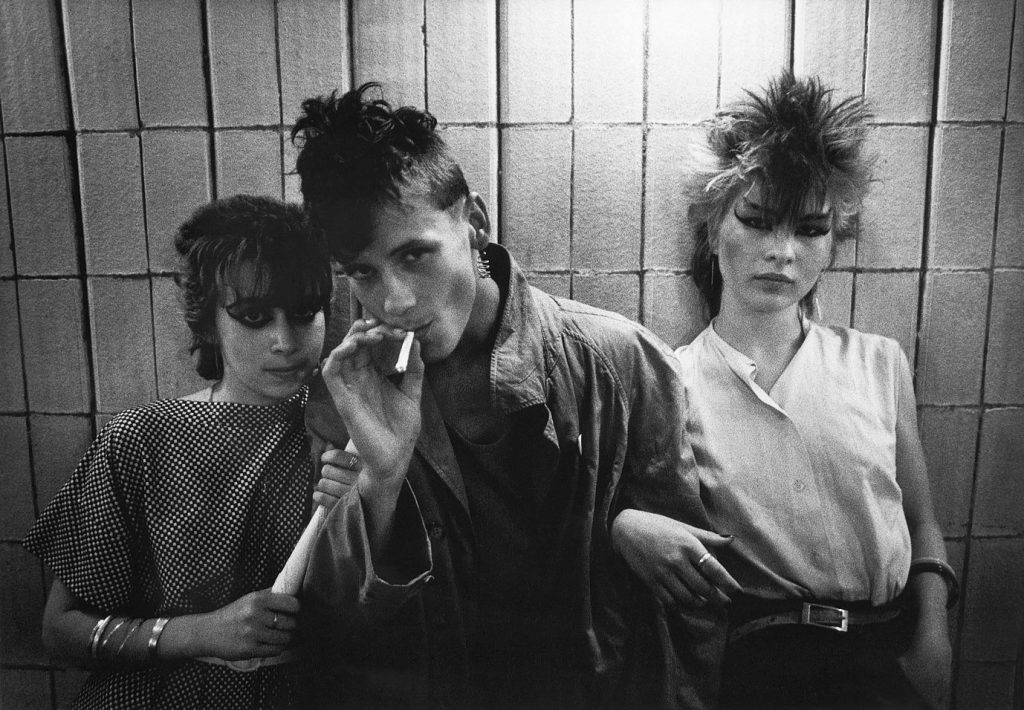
[
  {"x": 403, "y": 355},
  {"x": 289, "y": 581}
]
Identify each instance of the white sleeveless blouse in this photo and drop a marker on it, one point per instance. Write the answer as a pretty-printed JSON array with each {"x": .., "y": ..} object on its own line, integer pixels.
[{"x": 804, "y": 475}]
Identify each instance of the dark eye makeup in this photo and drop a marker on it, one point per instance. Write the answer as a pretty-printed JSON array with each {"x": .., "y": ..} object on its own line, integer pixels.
[
  {"x": 258, "y": 312},
  {"x": 816, "y": 226}
]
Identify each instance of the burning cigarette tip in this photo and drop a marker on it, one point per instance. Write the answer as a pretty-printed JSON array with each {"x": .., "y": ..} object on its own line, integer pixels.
[{"x": 403, "y": 355}]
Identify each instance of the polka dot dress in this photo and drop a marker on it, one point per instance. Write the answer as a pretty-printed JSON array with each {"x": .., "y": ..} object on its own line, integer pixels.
[{"x": 180, "y": 507}]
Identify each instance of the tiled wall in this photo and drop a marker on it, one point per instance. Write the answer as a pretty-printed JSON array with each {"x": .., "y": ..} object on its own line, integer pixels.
[{"x": 571, "y": 118}]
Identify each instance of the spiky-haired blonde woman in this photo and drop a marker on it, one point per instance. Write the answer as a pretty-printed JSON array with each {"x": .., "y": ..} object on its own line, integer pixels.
[{"x": 805, "y": 435}]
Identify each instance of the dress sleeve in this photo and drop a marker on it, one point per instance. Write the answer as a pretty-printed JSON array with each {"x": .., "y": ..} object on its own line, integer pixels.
[{"x": 85, "y": 535}]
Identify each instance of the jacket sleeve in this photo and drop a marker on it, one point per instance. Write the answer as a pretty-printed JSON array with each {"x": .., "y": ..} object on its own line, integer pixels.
[
  {"x": 343, "y": 593},
  {"x": 676, "y": 655}
]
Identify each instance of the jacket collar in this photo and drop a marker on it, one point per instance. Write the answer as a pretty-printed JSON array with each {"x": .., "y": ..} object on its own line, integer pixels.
[{"x": 518, "y": 359}]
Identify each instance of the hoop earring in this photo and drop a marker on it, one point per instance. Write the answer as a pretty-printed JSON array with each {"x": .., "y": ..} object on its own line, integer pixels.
[{"x": 483, "y": 266}]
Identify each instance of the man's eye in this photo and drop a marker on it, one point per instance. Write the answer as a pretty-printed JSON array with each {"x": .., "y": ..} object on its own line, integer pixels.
[
  {"x": 359, "y": 273},
  {"x": 414, "y": 256}
]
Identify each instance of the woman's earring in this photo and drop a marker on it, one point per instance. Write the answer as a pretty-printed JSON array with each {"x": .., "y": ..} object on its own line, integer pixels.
[{"x": 483, "y": 266}]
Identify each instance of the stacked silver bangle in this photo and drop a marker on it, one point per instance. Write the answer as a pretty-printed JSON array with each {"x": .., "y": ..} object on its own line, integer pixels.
[{"x": 101, "y": 636}]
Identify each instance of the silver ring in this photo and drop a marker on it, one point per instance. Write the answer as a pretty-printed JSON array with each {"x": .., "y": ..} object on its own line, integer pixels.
[
  {"x": 273, "y": 624},
  {"x": 703, "y": 558}
]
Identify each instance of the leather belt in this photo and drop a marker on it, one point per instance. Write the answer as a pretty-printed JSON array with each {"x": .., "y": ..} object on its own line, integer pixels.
[{"x": 823, "y": 616}]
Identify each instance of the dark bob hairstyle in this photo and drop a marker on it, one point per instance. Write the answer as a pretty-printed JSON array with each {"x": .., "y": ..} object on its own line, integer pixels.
[{"x": 226, "y": 243}]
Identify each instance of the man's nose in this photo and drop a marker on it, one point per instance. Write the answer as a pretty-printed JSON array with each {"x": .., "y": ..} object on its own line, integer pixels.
[{"x": 398, "y": 296}]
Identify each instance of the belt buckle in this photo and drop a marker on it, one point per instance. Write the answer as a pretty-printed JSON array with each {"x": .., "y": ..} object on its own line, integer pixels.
[{"x": 810, "y": 607}]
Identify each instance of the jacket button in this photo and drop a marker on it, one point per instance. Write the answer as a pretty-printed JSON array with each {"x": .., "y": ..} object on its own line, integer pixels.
[{"x": 435, "y": 530}]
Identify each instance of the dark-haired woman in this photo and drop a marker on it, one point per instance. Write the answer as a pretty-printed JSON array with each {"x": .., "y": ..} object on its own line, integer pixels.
[
  {"x": 805, "y": 435},
  {"x": 175, "y": 523}
]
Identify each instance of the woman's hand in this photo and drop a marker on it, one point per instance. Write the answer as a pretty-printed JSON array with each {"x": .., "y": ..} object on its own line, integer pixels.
[
  {"x": 928, "y": 664},
  {"x": 382, "y": 418},
  {"x": 337, "y": 476},
  {"x": 258, "y": 625},
  {"x": 673, "y": 559}
]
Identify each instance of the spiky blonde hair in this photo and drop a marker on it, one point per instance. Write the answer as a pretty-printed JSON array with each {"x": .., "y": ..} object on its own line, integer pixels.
[{"x": 801, "y": 146}]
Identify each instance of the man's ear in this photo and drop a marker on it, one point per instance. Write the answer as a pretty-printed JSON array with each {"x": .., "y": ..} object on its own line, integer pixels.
[{"x": 476, "y": 210}]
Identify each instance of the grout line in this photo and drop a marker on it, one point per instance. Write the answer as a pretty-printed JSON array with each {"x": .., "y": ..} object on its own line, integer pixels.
[
  {"x": 857, "y": 271},
  {"x": 791, "y": 30},
  {"x": 963, "y": 123},
  {"x": 499, "y": 202},
  {"x": 211, "y": 147},
  {"x": 135, "y": 63},
  {"x": 718, "y": 79},
  {"x": 864, "y": 63},
  {"x": 423, "y": 31},
  {"x": 71, "y": 140},
  {"x": 142, "y": 187},
  {"x": 572, "y": 141},
  {"x": 644, "y": 128},
  {"x": 280, "y": 95},
  {"x": 350, "y": 15},
  {"x": 653, "y": 269}
]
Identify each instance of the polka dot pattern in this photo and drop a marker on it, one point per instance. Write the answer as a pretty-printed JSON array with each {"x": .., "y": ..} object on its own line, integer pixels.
[{"x": 180, "y": 507}]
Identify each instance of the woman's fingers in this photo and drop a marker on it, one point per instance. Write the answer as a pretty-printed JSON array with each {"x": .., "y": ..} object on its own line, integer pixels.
[
  {"x": 340, "y": 459},
  {"x": 672, "y": 591},
  {"x": 338, "y": 474},
  {"x": 715, "y": 573}
]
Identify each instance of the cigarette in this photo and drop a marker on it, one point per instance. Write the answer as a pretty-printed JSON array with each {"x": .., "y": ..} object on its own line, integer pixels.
[{"x": 403, "y": 355}]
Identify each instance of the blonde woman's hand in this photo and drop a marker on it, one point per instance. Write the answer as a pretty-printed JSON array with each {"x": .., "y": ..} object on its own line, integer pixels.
[{"x": 675, "y": 560}]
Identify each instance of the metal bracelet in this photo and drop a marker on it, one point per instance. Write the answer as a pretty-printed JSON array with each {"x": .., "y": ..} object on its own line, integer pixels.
[
  {"x": 154, "y": 637},
  {"x": 97, "y": 631}
]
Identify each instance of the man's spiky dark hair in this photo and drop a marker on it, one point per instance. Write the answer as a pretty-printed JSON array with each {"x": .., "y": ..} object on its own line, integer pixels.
[
  {"x": 357, "y": 152},
  {"x": 801, "y": 146}
]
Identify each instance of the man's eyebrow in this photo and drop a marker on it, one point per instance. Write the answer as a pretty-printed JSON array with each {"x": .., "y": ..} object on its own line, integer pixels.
[{"x": 411, "y": 244}]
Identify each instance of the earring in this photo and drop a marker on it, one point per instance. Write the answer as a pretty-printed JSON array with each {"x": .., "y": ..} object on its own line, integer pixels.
[
  {"x": 714, "y": 269},
  {"x": 483, "y": 266}
]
